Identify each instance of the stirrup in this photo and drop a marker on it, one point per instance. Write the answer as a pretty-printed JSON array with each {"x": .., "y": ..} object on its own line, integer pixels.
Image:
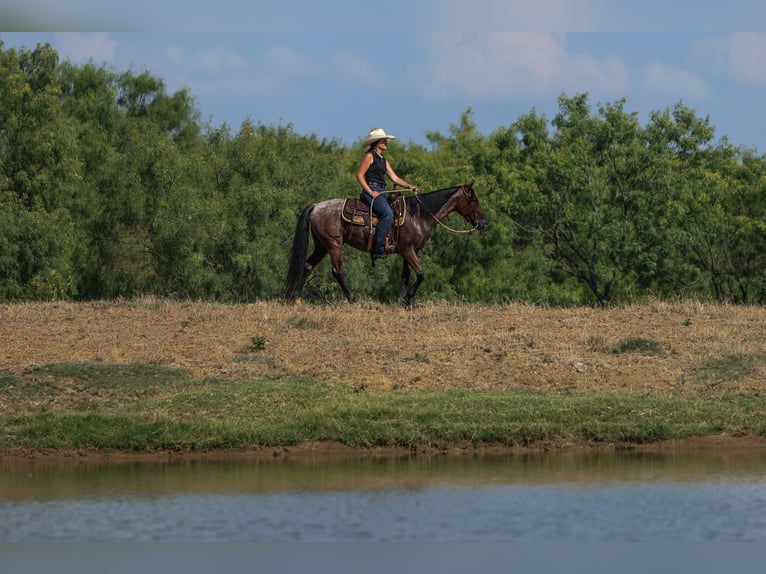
[{"x": 375, "y": 256}]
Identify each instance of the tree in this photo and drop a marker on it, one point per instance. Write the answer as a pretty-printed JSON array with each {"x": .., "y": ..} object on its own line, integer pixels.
[
  {"x": 722, "y": 236},
  {"x": 605, "y": 193},
  {"x": 39, "y": 174}
]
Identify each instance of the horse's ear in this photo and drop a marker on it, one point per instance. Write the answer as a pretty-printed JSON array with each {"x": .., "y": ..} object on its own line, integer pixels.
[{"x": 469, "y": 185}]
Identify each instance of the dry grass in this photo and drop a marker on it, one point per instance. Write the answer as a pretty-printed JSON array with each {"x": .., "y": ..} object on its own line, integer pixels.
[{"x": 385, "y": 347}]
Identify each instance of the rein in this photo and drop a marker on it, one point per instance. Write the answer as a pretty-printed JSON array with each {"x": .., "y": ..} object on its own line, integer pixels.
[{"x": 444, "y": 225}]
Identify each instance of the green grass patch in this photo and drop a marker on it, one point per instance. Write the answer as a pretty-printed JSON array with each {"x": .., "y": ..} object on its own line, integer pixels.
[
  {"x": 84, "y": 386},
  {"x": 148, "y": 408},
  {"x": 729, "y": 367},
  {"x": 640, "y": 345}
]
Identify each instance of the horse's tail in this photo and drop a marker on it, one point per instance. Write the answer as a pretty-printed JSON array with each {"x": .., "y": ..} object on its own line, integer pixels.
[{"x": 298, "y": 253}]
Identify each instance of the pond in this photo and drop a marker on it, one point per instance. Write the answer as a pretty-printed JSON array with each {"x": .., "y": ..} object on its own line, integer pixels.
[{"x": 619, "y": 497}]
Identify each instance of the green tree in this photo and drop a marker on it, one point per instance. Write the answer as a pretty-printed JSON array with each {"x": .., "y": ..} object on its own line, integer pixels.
[
  {"x": 722, "y": 235},
  {"x": 39, "y": 175},
  {"x": 606, "y": 193},
  {"x": 134, "y": 139}
]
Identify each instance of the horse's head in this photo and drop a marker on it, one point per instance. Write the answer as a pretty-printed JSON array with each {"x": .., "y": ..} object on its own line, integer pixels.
[{"x": 469, "y": 207}]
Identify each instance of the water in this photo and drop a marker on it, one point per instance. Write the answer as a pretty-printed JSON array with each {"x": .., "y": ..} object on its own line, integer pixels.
[
  {"x": 708, "y": 511},
  {"x": 621, "y": 497}
]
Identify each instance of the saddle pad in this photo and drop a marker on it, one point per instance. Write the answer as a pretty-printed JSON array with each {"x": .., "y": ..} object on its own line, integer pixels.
[{"x": 356, "y": 212}]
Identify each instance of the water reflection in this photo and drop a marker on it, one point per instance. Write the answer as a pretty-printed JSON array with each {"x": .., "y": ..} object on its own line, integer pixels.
[
  {"x": 550, "y": 497},
  {"x": 74, "y": 479}
]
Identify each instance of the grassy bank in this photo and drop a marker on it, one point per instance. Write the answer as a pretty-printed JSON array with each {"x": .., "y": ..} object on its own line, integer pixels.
[{"x": 134, "y": 407}]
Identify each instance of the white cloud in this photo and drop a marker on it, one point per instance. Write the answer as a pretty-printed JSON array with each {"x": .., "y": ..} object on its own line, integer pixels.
[
  {"x": 673, "y": 81},
  {"x": 249, "y": 87},
  {"x": 739, "y": 55},
  {"x": 276, "y": 69},
  {"x": 502, "y": 64},
  {"x": 355, "y": 70},
  {"x": 746, "y": 56},
  {"x": 175, "y": 55},
  {"x": 521, "y": 15},
  {"x": 218, "y": 59},
  {"x": 80, "y": 47},
  {"x": 288, "y": 61},
  {"x": 609, "y": 75}
]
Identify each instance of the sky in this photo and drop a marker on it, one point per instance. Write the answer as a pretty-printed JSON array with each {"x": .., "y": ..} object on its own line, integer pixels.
[{"x": 337, "y": 69}]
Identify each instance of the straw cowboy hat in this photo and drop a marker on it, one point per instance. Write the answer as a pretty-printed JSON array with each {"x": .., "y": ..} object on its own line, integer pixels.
[{"x": 376, "y": 135}]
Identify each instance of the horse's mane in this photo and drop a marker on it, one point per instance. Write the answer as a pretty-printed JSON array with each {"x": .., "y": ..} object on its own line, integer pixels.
[{"x": 432, "y": 201}]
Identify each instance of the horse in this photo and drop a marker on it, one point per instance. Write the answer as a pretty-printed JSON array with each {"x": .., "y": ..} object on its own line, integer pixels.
[{"x": 330, "y": 231}]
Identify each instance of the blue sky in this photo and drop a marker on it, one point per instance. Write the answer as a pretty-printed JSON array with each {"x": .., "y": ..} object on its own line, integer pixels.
[{"x": 336, "y": 69}]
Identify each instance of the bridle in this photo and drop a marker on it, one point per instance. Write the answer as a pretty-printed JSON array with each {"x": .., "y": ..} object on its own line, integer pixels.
[{"x": 447, "y": 227}]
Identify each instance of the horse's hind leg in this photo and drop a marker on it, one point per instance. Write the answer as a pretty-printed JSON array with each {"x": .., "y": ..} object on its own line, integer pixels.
[
  {"x": 314, "y": 259},
  {"x": 336, "y": 258}
]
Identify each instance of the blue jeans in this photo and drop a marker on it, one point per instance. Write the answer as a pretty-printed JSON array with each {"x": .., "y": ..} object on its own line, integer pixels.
[{"x": 382, "y": 209}]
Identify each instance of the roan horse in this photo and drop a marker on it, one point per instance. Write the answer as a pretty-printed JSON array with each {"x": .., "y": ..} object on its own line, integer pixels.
[{"x": 331, "y": 229}]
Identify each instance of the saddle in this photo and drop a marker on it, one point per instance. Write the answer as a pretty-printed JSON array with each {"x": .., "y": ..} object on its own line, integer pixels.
[{"x": 358, "y": 214}]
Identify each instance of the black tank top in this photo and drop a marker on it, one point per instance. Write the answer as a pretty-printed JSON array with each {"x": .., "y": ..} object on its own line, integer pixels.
[{"x": 376, "y": 173}]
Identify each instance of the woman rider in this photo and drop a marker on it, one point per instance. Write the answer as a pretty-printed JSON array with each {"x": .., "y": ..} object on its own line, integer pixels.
[{"x": 371, "y": 175}]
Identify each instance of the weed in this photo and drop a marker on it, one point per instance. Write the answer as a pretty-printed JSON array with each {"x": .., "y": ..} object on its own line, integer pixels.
[
  {"x": 729, "y": 367},
  {"x": 640, "y": 345},
  {"x": 262, "y": 359},
  {"x": 418, "y": 358},
  {"x": 297, "y": 322},
  {"x": 454, "y": 315},
  {"x": 257, "y": 343},
  {"x": 597, "y": 344}
]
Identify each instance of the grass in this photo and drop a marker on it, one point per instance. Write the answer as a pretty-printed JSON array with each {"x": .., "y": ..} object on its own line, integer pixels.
[
  {"x": 729, "y": 367},
  {"x": 152, "y": 408},
  {"x": 640, "y": 345}
]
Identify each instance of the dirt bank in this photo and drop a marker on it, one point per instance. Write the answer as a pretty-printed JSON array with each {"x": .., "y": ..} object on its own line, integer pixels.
[{"x": 384, "y": 347}]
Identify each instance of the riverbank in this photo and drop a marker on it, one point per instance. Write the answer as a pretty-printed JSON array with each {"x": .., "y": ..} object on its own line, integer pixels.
[
  {"x": 723, "y": 447},
  {"x": 159, "y": 378}
]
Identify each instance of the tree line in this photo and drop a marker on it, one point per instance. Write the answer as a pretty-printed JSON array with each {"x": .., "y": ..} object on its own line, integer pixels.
[{"x": 112, "y": 187}]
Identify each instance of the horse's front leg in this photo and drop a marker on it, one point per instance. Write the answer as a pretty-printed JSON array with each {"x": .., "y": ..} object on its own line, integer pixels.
[
  {"x": 407, "y": 291},
  {"x": 404, "y": 298}
]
